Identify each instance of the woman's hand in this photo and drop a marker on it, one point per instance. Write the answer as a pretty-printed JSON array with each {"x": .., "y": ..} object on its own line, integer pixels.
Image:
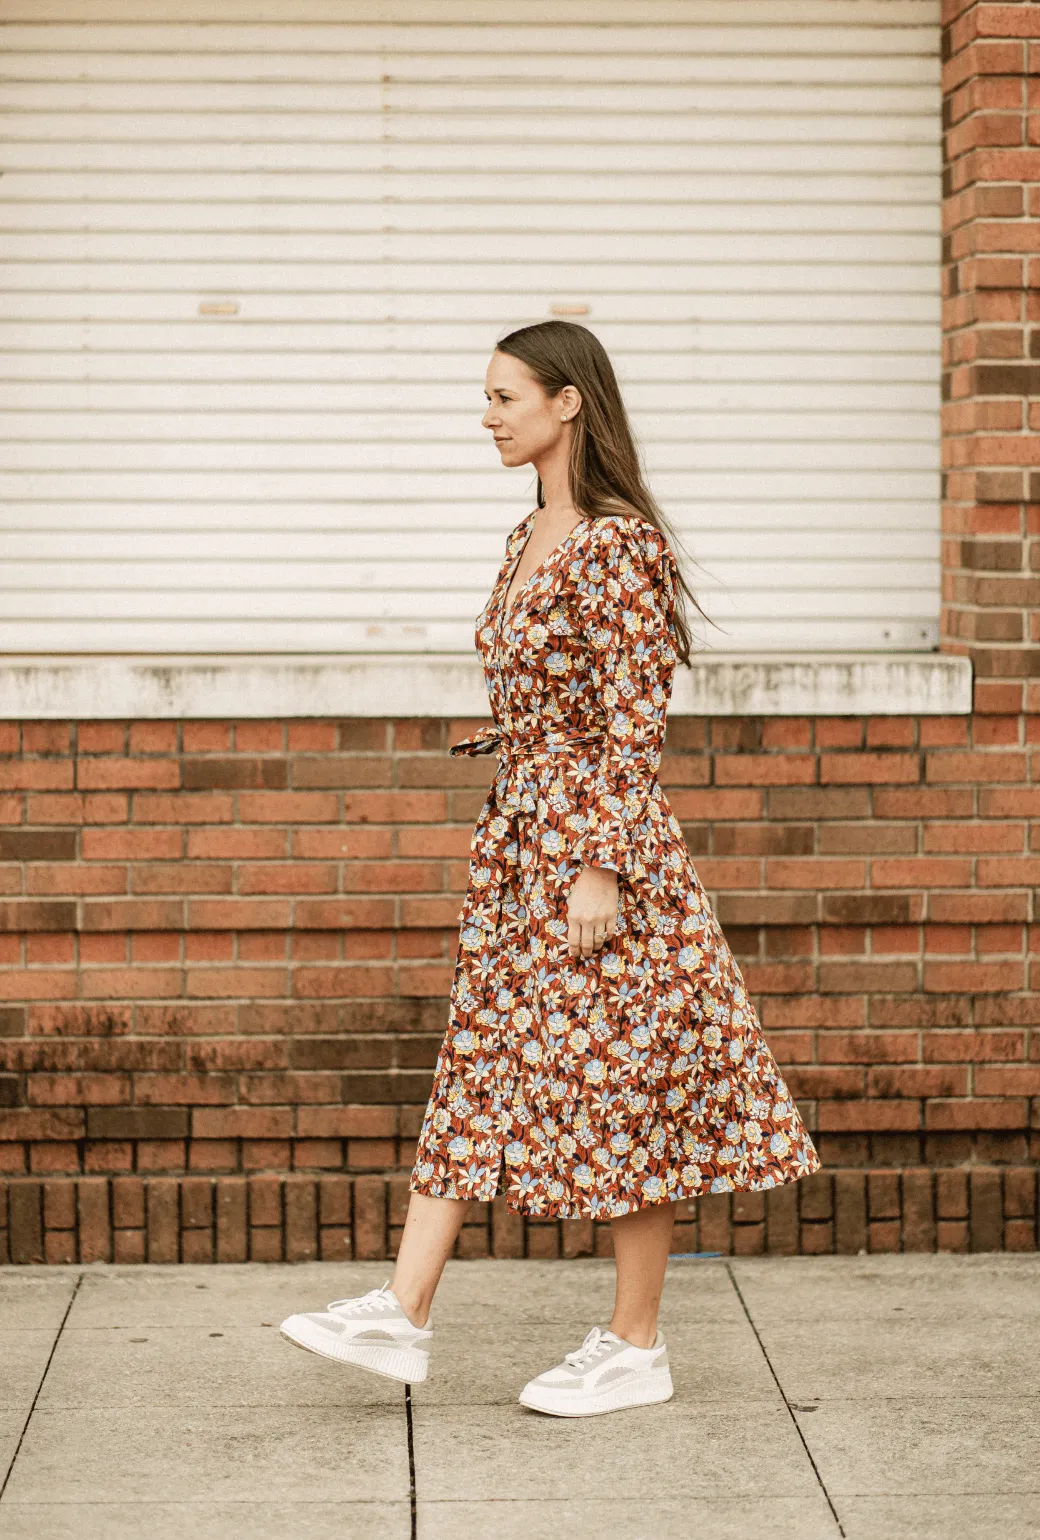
[{"x": 591, "y": 910}]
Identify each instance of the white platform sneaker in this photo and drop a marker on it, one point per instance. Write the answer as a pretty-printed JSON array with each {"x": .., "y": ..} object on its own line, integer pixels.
[
  {"x": 605, "y": 1374},
  {"x": 370, "y": 1330}
]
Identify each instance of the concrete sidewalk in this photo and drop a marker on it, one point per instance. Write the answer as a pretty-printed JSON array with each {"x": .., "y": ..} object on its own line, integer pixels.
[{"x": 883, "y": 1398}]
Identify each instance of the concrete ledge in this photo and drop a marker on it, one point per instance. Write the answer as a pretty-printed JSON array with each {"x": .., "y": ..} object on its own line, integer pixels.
[{"x": 39, "y": 688}]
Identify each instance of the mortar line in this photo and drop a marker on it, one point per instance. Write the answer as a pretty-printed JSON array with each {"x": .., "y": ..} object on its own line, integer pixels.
[
  {"x": 790, "y": 1409},
  {"x": 43, "y": 1377},
  {"x": 411, "y": 1456}
]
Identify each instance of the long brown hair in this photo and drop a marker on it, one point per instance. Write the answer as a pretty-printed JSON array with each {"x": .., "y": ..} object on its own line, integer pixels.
[{"x": 606, "y": 475}]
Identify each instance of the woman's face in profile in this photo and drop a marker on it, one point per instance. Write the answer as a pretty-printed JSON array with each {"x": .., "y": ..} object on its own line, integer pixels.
[{"x": 525, "y": 421}]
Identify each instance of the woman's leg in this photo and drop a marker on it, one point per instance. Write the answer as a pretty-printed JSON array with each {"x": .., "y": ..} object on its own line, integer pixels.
[
  {"x": 642, "y": 1241},
  {"x": 427, "y": 1241}
]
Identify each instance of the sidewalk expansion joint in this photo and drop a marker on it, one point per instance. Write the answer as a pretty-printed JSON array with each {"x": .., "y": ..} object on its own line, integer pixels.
[
  {"x": 411, "y": 1456},
  {"x": 43, "y": 1378},
  {"x": 790, "y": 1408}
]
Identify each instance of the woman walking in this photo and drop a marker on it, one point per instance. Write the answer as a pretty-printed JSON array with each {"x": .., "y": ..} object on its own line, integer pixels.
[{"x": 602, "y": 1057}]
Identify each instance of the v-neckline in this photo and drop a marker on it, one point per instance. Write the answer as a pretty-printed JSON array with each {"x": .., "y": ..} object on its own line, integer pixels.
[{"x": 506, "y": 614}]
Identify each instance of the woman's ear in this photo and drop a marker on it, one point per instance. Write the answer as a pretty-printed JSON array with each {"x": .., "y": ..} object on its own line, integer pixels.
[{"x": 570, "y": 402}]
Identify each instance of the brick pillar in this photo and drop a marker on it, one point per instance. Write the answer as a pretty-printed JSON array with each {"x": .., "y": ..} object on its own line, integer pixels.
[{"x": 991, "y": 353}]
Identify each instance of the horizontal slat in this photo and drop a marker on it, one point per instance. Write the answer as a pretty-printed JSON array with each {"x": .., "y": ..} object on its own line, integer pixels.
[
  {"x": 319, "y": 636},
  {"x": 654, "y": 406},
  {"x": 497, "y": 510},
  {"x": 439, "y": 141},
  {"x": 57, "y": 147},
  {"x": 401, "y": 246},
  {"x": 470, "y": 457},
  {"x": 378, "y": 368},
  {"x": 439, "y": 346},
  {"x": 549, "y": 90},
  {"x": 427, "y": 430},
  {"x": 460, "y": 280},
  {"x": 428, "y": 487},
  {"x": 324, "y": 18},
  {"x": 459, "y": 552},
  {"x": 283, "y": 580},
  {"x": 678, "y": 56},
  {"x": 483, "y": 308},
  {"x": 484, "y": 227},
  {"x": 493, "y": 193},
  {"x": 908, "y": 27},
  {"x": 851, "y": 598}
]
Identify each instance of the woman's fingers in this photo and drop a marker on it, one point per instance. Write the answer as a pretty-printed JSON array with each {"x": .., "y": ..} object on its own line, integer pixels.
[{"x": 587, "y": 936}]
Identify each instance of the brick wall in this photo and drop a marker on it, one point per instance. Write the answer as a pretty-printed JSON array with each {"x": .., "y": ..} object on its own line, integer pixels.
[
  {"x": 227, "y": 949},
  {"x": 991, "y": 349}
]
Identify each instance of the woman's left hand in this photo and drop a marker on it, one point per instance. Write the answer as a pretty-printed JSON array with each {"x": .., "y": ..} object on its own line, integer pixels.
[{"x": 591, "y": 910}]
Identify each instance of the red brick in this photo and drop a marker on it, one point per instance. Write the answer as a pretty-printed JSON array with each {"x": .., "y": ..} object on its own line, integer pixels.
[
  {"x": 239, "y": 914},
  {"x": 163, "y": 1220},
  {"x": 883, "y": 1236},
  {"x": 241, "y": 1123},
  {"x": 59, "y": 1206},
  {"x": 128, "y": 1203},
  {"x": 369, "y": 1222},
  {"x": 288, "y": 807},
  {"x": 883, "y": 1195},
  {"x": 265, "y": 1200},
  {"x": 335, "y": 1201},
  {"x": 336, "y": 1245},
  {"x": 95, "y": 1223},
  {"x": 101, "y": 737},
  {"x": 1020, "y": 1193},
  {"x": 266, "y": 1155},
  {"x": 196, "y": 1203},
  {"x": 25, "y": 1221},
  {"x": 234, "y": 844},
  {"x": 986, "y": 1209},
  {"x": 259, "y": 737},
  {"x": 35, "y": 775},
  {"x": 232, "y": 1230},
  {"x": 918, "y": 1210},
  {"x": 153, "y": 738},
  {"x": 206, "y": 737},
  {"x": 128, "y": 1246},
  {"x": 301, "y": 1221},
  {"x": 59, "y": 1247},
  {"x": 265, "y": 1245},
  {"x": 197, "y": 1246},
  {"x": 186, "y": 808},
  {"x": 127, "y": 774},
  {"x": 951, "y": 1195}
]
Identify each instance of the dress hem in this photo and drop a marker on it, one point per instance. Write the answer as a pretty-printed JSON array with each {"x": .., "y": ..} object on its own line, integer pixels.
[{"x": 556, "y": 1212}]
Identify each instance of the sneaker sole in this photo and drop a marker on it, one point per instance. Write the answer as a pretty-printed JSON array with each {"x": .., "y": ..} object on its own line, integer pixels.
[
  {"x": 645, "y": 1391},
  {"x": 409, "y": 1365}
]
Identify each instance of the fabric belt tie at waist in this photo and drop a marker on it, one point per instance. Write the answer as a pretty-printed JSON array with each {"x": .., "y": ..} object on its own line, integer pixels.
[{"x": 491, "y": 740}]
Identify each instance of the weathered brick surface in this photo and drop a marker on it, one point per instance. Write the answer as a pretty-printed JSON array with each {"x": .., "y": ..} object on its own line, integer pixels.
[
  {"x": 276, "y": 1002},
  {"x": 286, "y": 1218}
]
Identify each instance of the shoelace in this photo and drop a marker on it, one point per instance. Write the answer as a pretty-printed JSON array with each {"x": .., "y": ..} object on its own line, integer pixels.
[
  {"x": 375, "y": 1299},
  {"x": 595, "y": 1342}
]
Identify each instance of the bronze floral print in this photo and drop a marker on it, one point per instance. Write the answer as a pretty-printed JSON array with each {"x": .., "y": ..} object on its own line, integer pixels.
[{"x": 593, "y": 1086}]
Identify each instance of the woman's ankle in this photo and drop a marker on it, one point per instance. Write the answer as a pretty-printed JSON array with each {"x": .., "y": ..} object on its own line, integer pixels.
[
  {"x": 414, "y": 1306},
  {"x": 638, "y": 1334}
]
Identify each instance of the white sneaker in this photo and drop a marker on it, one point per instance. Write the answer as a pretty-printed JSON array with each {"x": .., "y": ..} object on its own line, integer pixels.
[
  {"x": 605, "y": 1374},
  {"x": 348, "y": 1331}
]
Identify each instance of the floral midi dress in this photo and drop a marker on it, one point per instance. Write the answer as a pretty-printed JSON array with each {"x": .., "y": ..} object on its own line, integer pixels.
[{"x": 593, "y": 1086}]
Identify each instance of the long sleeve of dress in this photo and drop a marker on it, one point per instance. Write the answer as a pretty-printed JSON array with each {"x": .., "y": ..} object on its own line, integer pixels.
[{"x": 625, "y": 596}]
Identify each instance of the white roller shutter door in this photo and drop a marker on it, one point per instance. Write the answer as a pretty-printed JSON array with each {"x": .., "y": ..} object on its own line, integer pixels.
[{"x": 252, "y": 271}]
